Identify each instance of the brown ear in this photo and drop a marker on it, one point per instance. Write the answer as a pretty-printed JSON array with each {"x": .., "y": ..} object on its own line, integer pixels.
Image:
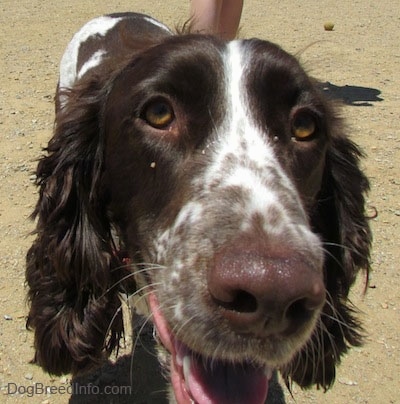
[
  {"x": 341, "y": 221},
  {"x": 72, "y": 266}
]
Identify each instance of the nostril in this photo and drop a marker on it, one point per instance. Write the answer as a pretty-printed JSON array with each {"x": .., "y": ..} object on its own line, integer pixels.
[
  {"x": 299, "y": 311},
  {"x": 241, "y": 302},
  {"x": 303, "y": 309}
]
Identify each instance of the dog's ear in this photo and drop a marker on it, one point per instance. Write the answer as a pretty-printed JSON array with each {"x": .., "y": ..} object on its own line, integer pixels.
[
  {"x": 73, "y": 266},
  {"x": 341, "y": 221}
]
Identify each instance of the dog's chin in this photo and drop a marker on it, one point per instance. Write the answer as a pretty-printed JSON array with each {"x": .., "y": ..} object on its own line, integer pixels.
[{"x": 202, "y": 380}]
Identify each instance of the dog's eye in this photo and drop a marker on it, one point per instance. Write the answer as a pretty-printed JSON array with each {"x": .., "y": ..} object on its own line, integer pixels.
[
  {"x": 159, "y": 114},
  {"x": 303, "y": 125}
]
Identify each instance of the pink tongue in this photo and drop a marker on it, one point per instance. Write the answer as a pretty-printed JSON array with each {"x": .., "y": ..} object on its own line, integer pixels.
[
  {"x": 224, "y": 383},
  {"x": 208, "y": 382}
]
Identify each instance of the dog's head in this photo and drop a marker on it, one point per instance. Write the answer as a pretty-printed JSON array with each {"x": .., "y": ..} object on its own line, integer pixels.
[{"x": 239, "y": 199}]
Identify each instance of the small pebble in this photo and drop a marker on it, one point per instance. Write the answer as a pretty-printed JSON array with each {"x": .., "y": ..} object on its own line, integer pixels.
[
  {"x": 328, "y": 26},
  {"x": 348, "y": 382}
]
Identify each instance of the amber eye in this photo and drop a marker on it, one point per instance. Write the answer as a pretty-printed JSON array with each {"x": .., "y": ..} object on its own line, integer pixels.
[
  {"x": 159, "y": 114},
  {"x": 303, "y": 126}
]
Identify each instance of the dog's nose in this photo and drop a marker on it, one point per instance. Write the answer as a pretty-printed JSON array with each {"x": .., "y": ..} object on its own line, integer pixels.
[{"x": 265, "y": 291}]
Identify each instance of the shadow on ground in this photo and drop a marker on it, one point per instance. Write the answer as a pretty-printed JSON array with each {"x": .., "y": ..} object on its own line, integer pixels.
[{"x": 352, "y": 95}]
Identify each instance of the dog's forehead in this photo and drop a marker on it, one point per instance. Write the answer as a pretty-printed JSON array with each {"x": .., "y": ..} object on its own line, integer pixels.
[
  {"x": 210, "y": 56},
  {"x": 268, "y": 68},
  {"x": 181, "y": 64},
  {"x": 205, "y": 64}
]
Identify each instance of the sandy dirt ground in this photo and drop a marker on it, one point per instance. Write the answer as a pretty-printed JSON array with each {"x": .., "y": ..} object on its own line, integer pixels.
[{"x": 359, "y": 59}]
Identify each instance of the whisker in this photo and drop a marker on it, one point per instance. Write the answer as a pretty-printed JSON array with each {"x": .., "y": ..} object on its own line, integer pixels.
[
  {"x": 144, "y": 322},
  {"x": 336, "y": 315},
  {"x": 115, "y": 285},
  {"x": 132, "y": 274},
  {"x": 341, "y": 246},
  {"x": 139, "y": 296},
  {"x": 335, "y": 259}
]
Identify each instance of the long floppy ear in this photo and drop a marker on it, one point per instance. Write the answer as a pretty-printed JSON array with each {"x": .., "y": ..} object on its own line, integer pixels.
[
  {"x": 341, "y": 221},
  {"x": 72, "y": 266}
]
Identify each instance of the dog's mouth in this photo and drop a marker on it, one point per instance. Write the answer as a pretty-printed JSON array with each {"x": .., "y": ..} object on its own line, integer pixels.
[{"x": 201, "y": 380}]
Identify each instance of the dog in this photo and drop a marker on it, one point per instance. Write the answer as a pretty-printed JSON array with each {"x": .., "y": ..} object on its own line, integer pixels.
[{"x": 215, "y": 180}]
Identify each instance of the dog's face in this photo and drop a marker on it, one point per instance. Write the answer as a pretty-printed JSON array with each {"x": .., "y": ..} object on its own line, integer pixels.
[
  {"x": 214, "y": 156},
  {"x": 240, "y": 201}
]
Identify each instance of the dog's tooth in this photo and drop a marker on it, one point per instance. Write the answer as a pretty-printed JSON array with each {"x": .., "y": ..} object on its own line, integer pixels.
[
  {"x": 180, "y": 353},
  {"x": 179, "y": 360},
  {"x": 187, "y": 361},
  {"x": 268, "y": 373}
]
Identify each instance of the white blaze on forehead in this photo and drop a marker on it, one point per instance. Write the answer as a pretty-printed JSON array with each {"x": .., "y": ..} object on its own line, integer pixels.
[
  {"x": 242, "y": 129},
  {"x": 238, "y": 137},
  {"x": 244, "y": 155},
  {"x": 234, "y": 71}
]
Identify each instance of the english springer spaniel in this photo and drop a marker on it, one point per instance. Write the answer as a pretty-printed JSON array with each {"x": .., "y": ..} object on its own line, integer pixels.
[{"x": 235, "y": 196}]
